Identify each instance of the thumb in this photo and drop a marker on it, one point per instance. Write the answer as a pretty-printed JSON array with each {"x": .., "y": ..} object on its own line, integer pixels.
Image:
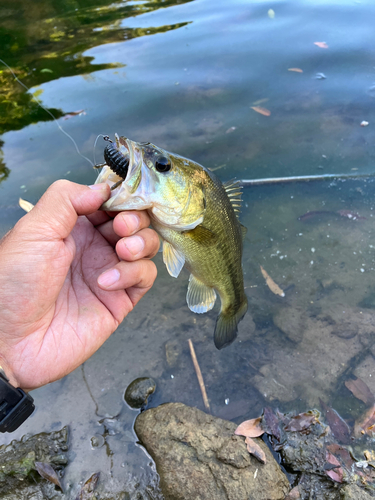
[{"x": 57, "y": 211}]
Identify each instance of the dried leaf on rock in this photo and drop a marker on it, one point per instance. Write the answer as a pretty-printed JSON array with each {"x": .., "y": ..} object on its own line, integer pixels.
[
  {"x": 250, "y": 428},
  {"x": 255, "y": 450},
  {"x": 339, "y": 427},
  {"x": 322, "y": 45},
  {"x": 365, "y": 424},
  {"x": 25, "y": 205},
  {"x": 271, "y": 423},
  {"x": 360, "y": 390},
  {"x": 293, "y": 494},
  {"x": 262, "y": 111},
  {"x": 48, "y": 472},
  {"x": 87, "y": 490},
  {"x": 274, "y": 287},
  {"x": 369, "y": 455},
  {"x": 296, "y": 70},
  {"x": 333, "y": 468},
  {"x": 341, "y": 453},
  {"x": 301, "y": 422}
]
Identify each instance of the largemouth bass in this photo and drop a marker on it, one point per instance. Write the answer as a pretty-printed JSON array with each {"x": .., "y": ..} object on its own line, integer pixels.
[{"x": 196, "y": 217}]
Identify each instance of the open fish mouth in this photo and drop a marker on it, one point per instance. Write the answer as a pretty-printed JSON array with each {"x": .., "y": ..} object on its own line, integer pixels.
[{"x": 122, "y": 171}]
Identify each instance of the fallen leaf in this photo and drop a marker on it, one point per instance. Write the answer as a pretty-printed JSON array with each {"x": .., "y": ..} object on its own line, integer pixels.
[
  {"x": 25, "y": 205},
  {"x": 333, "y": 468},
  {"x": 342, "y": 453},
  {"x": 322, "y": 45},
  {"x": 261, "y": 101},
  {"x": 339, "y": 427},
  {"x": 87, "y": 490},
  {"x": 293, "y": 494},
  {"x": 271, "y": 284},
  {"x": 296, "y": 70},
  {"x": 271, "y": 423},
  {"x": 80, "y": 112},
  {"x": 364, "y": 425},
  {"x": 254, "y": 449},
  {"x": 360, "y": 390},
  {"x": 250, "y": 428},
  {"x": 301, "y": 422},
  {"x": 262, "y": 111},
  {"x": 48, "y": 472}
]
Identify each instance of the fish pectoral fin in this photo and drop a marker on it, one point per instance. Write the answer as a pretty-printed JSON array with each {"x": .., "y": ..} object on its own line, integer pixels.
[
  {"x": 173, "y": 259},
  {"x": 202, "y": 235},
  {"x": 200, "y": 298}
]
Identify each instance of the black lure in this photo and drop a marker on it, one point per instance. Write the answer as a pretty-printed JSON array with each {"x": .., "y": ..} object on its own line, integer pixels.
[{"x": 116, "y": 160}]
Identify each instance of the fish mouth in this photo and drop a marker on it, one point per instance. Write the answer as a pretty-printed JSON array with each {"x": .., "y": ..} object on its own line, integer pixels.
[{"x": 123, "y": 173}]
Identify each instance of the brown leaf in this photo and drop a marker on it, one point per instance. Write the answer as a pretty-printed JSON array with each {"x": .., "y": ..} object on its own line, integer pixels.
[
  {"x": 336, "y": 472},
  {"x": 360, "y": 390},
  {"x": 339, "y": 427},
  {"x": 48, "y": 472},
  {"x": 254, "y": 449},
  {"x": 262, "y": 111},
  {"x": 296, "y": 70},
  {"x": 322, "y": 45},
  {"x": 293, "y": 494},
  {"x": 250, "y": 428},
  {"x": 87, "y": 490},
  {"x": 271, "y": 423},
  {"x": 274, "y": 287},
  {"x": 80, "y": 112},
  {"x": 364, "y": 425},
  {"x": 341, "y": 453},
  {"x": 301, "y": 422}
]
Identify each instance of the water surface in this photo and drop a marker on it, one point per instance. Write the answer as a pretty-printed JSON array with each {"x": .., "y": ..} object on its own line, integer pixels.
[{"x": 185, "y": 76}]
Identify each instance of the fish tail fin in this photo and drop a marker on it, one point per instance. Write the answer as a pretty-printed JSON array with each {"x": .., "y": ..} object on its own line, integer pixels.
[{"x": 226, "y": 325}]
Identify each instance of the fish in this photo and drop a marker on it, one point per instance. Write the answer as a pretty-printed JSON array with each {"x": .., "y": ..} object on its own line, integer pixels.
[{"x": 195, "y": 215}]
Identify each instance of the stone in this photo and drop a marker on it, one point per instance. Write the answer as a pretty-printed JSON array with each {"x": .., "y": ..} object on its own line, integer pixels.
[
  {"x": 354, "y": 492},
  {"x": 198, "y": 457},
  {"x": 138, "y": 391}
]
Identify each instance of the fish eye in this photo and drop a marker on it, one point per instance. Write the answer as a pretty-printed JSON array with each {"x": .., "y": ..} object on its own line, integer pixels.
[{"x": 163, "y": 164}]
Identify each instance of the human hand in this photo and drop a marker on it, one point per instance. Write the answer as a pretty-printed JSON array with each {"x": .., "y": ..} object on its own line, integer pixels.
[{"x": 57, "y": 302}]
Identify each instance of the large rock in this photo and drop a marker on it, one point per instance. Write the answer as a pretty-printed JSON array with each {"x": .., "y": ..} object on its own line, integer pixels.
[{"x": 198, "y": 457}]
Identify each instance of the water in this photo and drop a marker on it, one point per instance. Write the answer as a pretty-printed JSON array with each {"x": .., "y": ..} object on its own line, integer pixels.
[{"x": 185, "y": 76}]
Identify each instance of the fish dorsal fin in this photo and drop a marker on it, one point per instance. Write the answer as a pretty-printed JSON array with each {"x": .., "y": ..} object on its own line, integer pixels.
[
  {"x": 234, "y": 192},
  {"x": 173, "y": 259},
  {"x": 200, "y": 297},
  {"x": 202, "y": 236}
]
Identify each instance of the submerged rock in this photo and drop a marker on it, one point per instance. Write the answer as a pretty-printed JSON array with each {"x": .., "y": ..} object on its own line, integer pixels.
[
  {"x": 18, "y": 476},
  {"x": 138, "y": 391},
  {"x": 198, "y": 457}
]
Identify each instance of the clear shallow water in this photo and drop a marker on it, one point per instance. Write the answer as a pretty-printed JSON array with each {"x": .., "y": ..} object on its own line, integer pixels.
[{"x": 181, "y": 76}]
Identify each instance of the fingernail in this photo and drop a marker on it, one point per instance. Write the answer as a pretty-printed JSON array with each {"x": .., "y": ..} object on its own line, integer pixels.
[
  {"x": 97, "y": 187},
  {"x": 134, "y": 244},
  {"x": 109, "y": 278},
  {"x": 131, "y": 221}
]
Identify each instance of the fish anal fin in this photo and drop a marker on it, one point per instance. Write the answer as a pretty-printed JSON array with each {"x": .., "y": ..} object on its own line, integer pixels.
[
  {"x": 202, "y": 235},
  {"x": 200, "y": 298},
  {"x": 173, "y": 259},
  {"x": 226, "y": 326}
]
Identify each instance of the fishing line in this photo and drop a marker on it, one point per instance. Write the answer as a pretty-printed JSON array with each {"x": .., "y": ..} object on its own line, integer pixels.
[
  {"x": 96, "y": 140},
  {"x": 47, "y": 111}
]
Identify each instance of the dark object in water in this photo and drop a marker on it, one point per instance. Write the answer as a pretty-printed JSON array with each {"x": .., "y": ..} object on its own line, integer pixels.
[
  {"x": 116, "y": 160},
  {"x": 339, "y": 427},
  {"x": 342, "y": 213},
  {"x": 138, "y": 392}
]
